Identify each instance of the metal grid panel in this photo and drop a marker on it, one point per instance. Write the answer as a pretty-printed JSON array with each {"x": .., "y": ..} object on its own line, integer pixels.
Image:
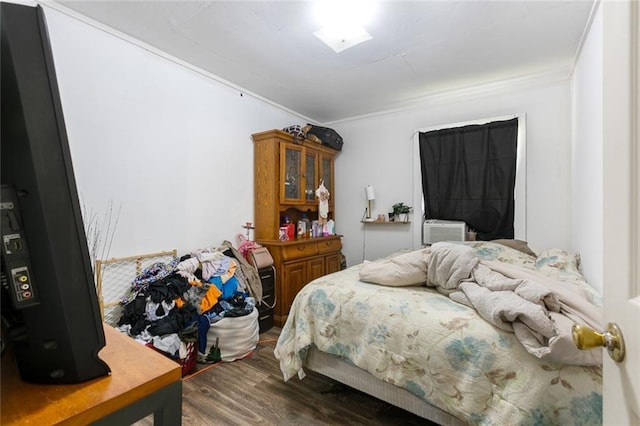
[{"x": 115, "y": 276}]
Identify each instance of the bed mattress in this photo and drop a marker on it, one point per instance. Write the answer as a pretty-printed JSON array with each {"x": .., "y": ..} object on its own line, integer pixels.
[{"x": 440, "y": 351}]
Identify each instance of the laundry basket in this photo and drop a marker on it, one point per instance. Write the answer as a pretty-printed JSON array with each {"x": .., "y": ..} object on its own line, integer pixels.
[
  {"x": 237, "y": 337},
  {"x": 187, "y": 356}
]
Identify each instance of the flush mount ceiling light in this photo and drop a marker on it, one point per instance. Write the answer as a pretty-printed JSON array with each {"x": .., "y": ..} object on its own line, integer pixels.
[
  {"x": 343, "y": 21},
  {"x": 339, "y": 38}
]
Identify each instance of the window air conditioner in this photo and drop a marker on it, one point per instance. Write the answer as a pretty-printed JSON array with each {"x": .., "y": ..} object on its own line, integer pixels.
[{"x": 434, "y": 230}]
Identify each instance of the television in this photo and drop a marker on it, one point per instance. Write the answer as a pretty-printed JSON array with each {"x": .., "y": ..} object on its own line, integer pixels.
[{"x": 50, "y": 312}]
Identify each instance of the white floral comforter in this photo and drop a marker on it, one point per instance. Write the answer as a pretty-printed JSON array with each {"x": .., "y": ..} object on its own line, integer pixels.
[{"x": 442, "y": 351}]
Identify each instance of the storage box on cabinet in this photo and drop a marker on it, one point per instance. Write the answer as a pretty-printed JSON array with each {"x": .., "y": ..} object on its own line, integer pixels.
[{"x": 265, "y": 318}]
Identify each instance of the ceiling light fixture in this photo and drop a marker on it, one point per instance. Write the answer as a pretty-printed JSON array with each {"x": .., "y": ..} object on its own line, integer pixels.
[
  {"x": 343, "y": 21},
  {"x": 341, "y": 38}
]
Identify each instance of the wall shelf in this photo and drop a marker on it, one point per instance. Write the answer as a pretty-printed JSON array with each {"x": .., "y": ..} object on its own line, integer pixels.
[{"x": 384, "y": 222}]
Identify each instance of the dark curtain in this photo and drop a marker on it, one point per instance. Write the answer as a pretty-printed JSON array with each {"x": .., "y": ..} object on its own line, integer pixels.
[{"x": 469, "y": 174}]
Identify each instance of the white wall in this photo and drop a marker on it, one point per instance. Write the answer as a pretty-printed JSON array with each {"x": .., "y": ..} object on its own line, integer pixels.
[
  {"x": 173, "y": 148},
  {"x": 587, "y": 150},
  {"x": 378, "y": 151},
  {"x": 169, "y": 145}
]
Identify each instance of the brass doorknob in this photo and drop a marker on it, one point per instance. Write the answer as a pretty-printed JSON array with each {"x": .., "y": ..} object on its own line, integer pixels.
[{"x": 587, "y": 338}]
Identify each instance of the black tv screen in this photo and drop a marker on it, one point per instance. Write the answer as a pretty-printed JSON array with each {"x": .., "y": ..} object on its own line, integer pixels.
[{"x": 50, "y": 308}]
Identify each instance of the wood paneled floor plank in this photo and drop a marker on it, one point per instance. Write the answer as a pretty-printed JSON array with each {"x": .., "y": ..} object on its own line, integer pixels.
[{"x": 252, "y": 391}]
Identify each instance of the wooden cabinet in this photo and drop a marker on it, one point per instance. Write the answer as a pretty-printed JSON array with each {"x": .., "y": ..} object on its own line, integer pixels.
[
  {"x": 297, "y": 275},
  {"x": 299, "y": 262},
  {"x": 334, "y": 262},
  {"x": 286, "y": 176}
]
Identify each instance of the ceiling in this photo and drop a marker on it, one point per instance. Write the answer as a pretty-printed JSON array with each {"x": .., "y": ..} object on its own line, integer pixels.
[{"x": 418, "y": 48}]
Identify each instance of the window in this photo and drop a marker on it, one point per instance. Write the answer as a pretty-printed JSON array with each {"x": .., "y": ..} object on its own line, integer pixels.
[{"x": 474, "y": 172}]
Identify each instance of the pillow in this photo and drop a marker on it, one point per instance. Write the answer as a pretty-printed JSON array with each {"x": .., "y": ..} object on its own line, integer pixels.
[
  {"x": 559, "y": 259},
  {"x": 565, "y": 267},
  {"x": 489, "y": 250},
  {"x": 403, "y": 270},
  {"x": 517, "y": 245}
]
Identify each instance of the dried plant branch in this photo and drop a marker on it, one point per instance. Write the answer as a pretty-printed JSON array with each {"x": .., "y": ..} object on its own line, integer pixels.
[
  {"x": 99, "y": 241},
  {"x": 111, "y": 229}
]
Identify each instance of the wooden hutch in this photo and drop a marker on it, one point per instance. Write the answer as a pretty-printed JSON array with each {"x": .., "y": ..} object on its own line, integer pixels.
[{"x": 287, "y": 174}]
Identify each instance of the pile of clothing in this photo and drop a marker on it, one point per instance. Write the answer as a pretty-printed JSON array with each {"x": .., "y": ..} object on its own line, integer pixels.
[{"x": 171, "y": 303}]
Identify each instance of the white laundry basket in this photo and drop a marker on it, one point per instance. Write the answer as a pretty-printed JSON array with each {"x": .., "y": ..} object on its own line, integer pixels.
[{"x": 237, "y": 336}]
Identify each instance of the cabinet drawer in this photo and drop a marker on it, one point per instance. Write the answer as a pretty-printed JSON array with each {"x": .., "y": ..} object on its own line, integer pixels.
[
  {"x": 265, "y": 321},
  {"x": 266, "y": 273},
  {"x": 299, "y": 250},
  {"x": 267, "y": 278},
  {"x": 328, "y": 246},
  {"x": 268, "y": 302}
]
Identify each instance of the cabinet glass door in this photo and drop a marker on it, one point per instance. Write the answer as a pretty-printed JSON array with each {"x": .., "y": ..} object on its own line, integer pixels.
[
  {"x": 291, "y": 173},
  {"x": 311, "y": 181},
  {"x": 326, "y": 171}
]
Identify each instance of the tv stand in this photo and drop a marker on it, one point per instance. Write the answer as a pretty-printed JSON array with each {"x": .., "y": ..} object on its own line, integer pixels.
[{"x": 142, "y": 382}]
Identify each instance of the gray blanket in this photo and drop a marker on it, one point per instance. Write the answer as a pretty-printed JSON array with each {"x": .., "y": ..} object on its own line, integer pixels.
[{"x": 537, "y": 309}]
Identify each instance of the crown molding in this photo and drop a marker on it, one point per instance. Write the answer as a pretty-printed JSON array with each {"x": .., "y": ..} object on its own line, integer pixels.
[
  {"x": 471, "y": 92},
  {"x": 53, "y": 5}
]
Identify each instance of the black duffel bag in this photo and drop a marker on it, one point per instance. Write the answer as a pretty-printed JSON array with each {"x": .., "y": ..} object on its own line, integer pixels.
[{"x": 329, "y": 137}]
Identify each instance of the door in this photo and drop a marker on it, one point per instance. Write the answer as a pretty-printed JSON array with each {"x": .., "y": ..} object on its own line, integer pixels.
[
  {"x": 310, "y": 176},
  {"x": 326, "y": 171},
  {"x": 294, "y": 277},
  {"x": 333, "y": 262},
  {"x": 291, "y": 173},
  {"x": 315, "y": 268},
  {"x": 621, "y": 222}
]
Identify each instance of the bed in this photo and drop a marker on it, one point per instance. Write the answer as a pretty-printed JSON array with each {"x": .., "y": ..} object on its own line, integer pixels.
[{"x": 416, "y": 347}]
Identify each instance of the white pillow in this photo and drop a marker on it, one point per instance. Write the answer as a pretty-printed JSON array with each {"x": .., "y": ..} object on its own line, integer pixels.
[{"x": 403, "y": 270}]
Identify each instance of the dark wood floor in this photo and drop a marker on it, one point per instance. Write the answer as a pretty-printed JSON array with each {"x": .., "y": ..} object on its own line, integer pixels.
[{"x": 251, "y": 391}]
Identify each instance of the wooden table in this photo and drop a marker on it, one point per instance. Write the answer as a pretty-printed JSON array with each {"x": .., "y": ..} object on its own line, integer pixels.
[{"x": 142, "y": 382}]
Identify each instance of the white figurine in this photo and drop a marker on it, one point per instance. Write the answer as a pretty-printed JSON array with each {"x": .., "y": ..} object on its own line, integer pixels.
[{"x": 323, "y": 204}]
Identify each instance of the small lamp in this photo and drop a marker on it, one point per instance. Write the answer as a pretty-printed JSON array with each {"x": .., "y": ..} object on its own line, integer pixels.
[{"x": 371, "y": 195}]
